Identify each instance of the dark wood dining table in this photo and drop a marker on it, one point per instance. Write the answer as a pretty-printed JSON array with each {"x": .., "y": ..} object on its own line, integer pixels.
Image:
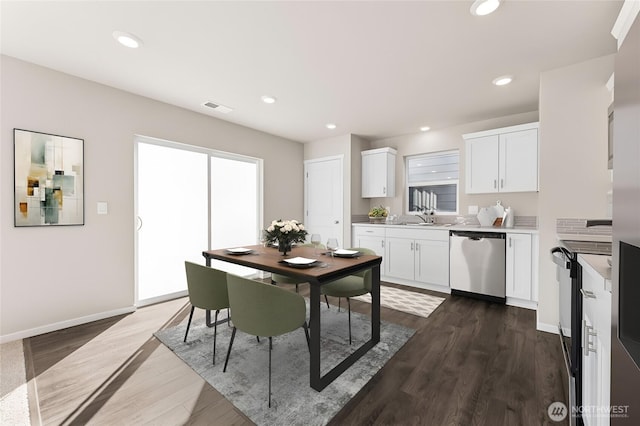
[{"x": 270, "y": 259}]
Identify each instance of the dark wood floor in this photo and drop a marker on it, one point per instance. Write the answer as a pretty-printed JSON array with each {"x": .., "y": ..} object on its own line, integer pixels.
[{"x": 469, "y": 363}]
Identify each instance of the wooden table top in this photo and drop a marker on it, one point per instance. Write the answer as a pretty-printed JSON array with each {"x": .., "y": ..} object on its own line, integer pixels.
[{"x": 270, "y": 259}]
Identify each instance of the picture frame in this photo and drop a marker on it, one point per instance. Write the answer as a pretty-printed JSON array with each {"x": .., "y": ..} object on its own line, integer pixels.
[{"x": 48, "y": 179}]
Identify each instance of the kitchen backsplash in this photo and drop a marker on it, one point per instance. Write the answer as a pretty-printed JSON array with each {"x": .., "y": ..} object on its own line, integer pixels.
[
  {"x": 578, "y": 226},
  {"x": 520, "y": 221}
]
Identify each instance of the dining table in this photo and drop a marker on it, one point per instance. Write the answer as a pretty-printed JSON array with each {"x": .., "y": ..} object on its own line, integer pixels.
[{"x": 325, "y": 269}]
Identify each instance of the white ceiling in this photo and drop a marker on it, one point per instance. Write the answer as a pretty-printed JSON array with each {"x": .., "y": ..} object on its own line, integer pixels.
[{"x": 376, "y": 69}]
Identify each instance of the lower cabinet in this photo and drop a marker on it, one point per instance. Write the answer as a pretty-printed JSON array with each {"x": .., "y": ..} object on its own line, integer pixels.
[
  {"x": 596, "y": 349},
  {"x": 520, "y": 270},
  {"x": 371, "y": 237},
  {"x": 420, "y": 256}
]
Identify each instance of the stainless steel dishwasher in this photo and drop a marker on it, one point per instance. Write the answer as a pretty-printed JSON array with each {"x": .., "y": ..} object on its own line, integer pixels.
[{"x": 477, "y": 264}]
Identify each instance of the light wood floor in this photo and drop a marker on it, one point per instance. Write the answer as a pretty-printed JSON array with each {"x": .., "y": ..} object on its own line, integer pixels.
[{"x": 470, "y": 363}]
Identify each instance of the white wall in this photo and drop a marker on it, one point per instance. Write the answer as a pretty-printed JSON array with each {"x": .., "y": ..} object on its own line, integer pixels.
[
  {"x": 51, "y": 277},
  {"x": 524, "y": 204},
  {"x": 574, "y": 179}
]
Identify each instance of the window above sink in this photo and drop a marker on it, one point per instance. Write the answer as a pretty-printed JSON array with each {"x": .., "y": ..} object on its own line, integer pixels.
[{"x": 432, "y": 183}]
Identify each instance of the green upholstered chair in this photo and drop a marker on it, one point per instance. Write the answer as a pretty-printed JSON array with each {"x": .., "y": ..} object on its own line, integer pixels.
[
  {"x": 349, "y": 286},
  {"x": 262, "y": 309},
  {"x": 283, "y": 279},
  {"x": 207, "y": 290}
]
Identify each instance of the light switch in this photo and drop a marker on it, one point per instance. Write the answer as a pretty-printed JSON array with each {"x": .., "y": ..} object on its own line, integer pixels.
[
  {"x": 102, "y": 207},
  {"x": 473, "y": 210}
]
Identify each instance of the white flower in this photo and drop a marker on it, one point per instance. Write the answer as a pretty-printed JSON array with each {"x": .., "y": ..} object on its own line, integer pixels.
[
  {"x": 287, "y": 227},
  {"x": 301, "y": 226},
  {"x": 271, "y": 228}
]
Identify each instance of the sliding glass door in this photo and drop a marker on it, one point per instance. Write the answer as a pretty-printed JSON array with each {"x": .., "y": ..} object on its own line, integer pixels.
[{"x": 189, "y": 199}]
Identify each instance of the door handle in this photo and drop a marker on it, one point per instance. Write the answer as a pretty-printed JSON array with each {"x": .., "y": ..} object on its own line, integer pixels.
[
  {"x": 588, "y": 345},
  {"x": 588, "y": 294}
]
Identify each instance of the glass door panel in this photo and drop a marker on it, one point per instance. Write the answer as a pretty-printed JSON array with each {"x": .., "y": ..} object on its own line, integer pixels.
[{"x": 172, "y": 197}]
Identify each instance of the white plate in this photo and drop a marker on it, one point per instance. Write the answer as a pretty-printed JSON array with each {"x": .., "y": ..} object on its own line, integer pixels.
[
  {"x": 345, "y": 252},
  {"x": 300, "y": 261},
  {"x": 239, "y": 250}
]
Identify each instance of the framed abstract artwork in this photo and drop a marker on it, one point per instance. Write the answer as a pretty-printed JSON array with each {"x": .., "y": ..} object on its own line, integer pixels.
[{"x": 48, "y": 179}]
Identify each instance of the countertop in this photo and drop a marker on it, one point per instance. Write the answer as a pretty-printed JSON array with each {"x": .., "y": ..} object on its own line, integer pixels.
[
  {"x": 598, "y": 264},
  {"x": 455, "y": 227}
]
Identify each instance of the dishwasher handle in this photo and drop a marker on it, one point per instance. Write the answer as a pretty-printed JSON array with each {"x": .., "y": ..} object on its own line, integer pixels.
[{"x": 477, "y": 236}]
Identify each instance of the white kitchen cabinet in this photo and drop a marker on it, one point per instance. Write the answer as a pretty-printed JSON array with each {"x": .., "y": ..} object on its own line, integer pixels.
[
  {"x": 371, "y": 237},
  {"x": 418, "y": 257},
  {"x": 502, "y": 160},
  {"x": 596, "y": 347},
  {"x": 519, "y": 270},
  {"x": 378, "y": 173}
]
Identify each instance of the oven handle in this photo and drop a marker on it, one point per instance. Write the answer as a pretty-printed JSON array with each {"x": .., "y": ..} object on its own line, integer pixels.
[{"x": 564, "y": 260}]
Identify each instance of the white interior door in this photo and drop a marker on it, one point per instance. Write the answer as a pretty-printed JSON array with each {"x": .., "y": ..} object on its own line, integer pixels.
[
  {"x": 171, "y": 197},
  {"x": 323, "y": 192}
]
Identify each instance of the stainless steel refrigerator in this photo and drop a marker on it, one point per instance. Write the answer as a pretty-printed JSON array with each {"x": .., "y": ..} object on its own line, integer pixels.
[{"x": 625, "y": 336}]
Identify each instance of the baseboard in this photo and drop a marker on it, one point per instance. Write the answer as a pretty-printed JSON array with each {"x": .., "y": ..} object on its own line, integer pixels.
[
  {"x": 521, "y": 303},
  {"x": 409, "y": 283},
  {"x": 65, "y": 324},
  {"x": 548, "y": 328}
]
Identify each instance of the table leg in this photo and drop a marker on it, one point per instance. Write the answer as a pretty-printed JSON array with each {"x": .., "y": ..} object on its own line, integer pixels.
[{"x": 319, "y": 382}]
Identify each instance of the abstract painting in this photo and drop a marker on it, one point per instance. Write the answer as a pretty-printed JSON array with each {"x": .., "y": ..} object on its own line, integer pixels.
[{"x": 49, "y": 183}]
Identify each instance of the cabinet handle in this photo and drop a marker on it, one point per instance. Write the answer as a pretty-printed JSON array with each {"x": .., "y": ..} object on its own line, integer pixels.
[
  {"x": 588, "y": 294},
  {"x": 384, "y": 189},
  {"x": 501, "y": 183},
  {"x": 510, "y": 244},
  {"x": 382, "y": 243},
  {"x": 417, "y": 247},
  {"x": 588, "y": 345},
  {"x": 371, "y": 232},
  {"x": 411, "y": 246},
  {"x": 495, "y": 184}
]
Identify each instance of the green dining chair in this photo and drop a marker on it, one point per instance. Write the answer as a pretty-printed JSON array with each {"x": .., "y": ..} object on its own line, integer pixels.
[
  {"x": 261, "y": 309},
  {"x": 207, "y": 290},
  {"x": 283, "y": 279},
  {"x": 349, "y": 286}
]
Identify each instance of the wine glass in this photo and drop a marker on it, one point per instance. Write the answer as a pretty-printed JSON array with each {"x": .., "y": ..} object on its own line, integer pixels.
[
  {"x": 332, "y": 245},
  {"x": 315, "y": 240}
]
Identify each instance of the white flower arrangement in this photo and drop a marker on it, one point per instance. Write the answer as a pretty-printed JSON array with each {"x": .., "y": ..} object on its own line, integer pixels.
[{"x": 285, "y": 231}]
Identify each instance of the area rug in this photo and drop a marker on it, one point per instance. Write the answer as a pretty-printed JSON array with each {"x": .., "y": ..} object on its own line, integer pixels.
[
  {"x": 14, "y": 403},
  {"x": 293, "y": 401},
  {"x": 410, "y": 302}
]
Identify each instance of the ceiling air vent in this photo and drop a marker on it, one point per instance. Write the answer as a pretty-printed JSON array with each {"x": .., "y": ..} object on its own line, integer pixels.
[{"x": 218, "y": 108}]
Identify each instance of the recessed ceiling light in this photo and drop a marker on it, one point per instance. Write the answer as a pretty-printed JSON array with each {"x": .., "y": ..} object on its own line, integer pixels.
[
  {"x": 425, "y": 128},
  {"x": 502, "y": 80},
  {"x": 484, "y": 7},
  {"x": 127, "y": 39},
  {"x": 268, "y": 99},
  {"x": 330, "y": 126}
]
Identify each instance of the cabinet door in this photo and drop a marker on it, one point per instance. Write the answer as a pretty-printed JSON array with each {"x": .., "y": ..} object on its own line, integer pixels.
[
  {"x": 432, "y": 262},
  {"x": 375, "y": 175},
  {"x": 374, "y": 243},
  {"x": 400, "y": 258},
  {"x": 590, "y": 367},
  {"x": 482, "y": 165},
  {"x": 518, "y": 266},
  {"x": 519, "y": 161}
]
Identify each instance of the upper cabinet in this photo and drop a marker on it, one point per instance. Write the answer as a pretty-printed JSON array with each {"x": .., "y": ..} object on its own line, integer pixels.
[
  {"x": 378, "y": 173},
  {"x": 502, "y": 160}
]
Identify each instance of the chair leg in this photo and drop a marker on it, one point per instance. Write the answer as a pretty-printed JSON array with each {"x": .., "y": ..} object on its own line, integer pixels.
[
  {"x": 189, "y": 323},
  {"x": 349, "y": 306},
  {"x": 215, "y": 334},
  {"x": 233, "y": 336},
  {"x": 270, "y": 347},
  {"x": 326, "y": 300},
  {"x": 306, "y": 333},
  {"x": 258, "y": 339},
  {"x": 339, "y": 299},
  {"x": 296, "y": 287}
]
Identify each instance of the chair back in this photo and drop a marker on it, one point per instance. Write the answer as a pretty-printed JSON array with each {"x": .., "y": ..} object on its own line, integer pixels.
[
  {"x": 263, "y": 309},
  {"x": 366, "y": 275},
  {"x": 207, "y": 287}
]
